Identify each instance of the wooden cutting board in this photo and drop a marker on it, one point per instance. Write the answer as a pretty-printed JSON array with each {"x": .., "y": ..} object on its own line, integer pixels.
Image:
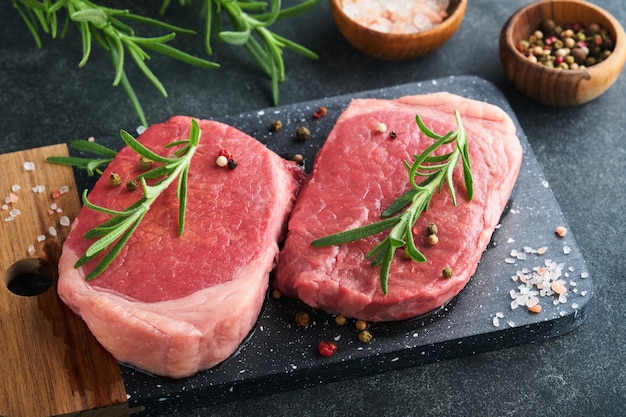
[{"x": 50, "y": 363}]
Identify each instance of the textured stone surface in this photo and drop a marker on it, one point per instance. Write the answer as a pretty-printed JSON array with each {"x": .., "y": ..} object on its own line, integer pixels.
[{"x": 46, "y": 99}]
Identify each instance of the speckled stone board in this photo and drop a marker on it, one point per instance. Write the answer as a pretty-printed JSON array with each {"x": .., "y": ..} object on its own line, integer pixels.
[{"x": 278, "y": 355}]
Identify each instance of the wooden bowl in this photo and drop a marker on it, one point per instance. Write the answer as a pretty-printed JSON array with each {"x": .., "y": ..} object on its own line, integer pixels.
[
  {"x": 398, "y": 47},
  {"x": 560, "y": 87}
]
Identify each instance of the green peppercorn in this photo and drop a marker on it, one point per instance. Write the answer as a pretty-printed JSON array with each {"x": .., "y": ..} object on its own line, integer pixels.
[
  {"x": 365, "y": 336},
  {"x": 303, "y": 133},
  {"x": 447, "y": 272},
  {"x": 276, "y": 126},
  {"x": 132, "y": 184},
  {"x": 431, "y": 229},
  {"x": 115, "y": 180},
  {"x": 145, "y": 163}
]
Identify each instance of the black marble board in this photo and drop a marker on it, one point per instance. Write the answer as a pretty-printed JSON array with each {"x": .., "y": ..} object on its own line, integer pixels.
[{"x": 278, "y": 355}]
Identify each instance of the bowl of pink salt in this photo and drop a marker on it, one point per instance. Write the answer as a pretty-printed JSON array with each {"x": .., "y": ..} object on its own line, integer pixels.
[{"x": 398, "y": 30}]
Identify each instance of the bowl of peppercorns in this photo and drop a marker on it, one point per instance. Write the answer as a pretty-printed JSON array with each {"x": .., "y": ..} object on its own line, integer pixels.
[
  {"x": 398, "y": 31},
  {"x": 562, "y": 52}
]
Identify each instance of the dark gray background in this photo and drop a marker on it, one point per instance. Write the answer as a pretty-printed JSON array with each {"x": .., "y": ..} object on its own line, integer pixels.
[{"x": 46, "y": 99}]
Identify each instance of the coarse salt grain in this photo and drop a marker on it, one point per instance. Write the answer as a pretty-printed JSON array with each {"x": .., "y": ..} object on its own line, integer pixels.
[
  {"x": 64, "y": 221},
  {"x": 15, "y": 188},
  {"x": 41, "y": 238},
  {"x": 31, "y": 250},
  {"x": 38, "y": 189},
  {"x": 29, "y": 166},
  {"x": 52, "y": 231}
]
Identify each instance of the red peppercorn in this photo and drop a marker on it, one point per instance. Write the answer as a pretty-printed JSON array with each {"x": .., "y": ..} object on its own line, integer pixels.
[
  {"x": 225, "y": 153},
  {"x": 327, "y": 349},
  {"x": 321, "y": 112}
]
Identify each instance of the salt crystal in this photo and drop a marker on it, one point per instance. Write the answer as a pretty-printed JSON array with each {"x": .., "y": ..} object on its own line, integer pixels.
[
  {"x": 566, "y": 250},
  {"x": 509, "y": 260},
  {"x": 584, "y": 275},
  {"x": 53, "y": 206},
  {"x": 31, "y": 250},
  {"x": 575, "y": 306},
  {"x": 29, "y": 166},
  {"x": 38, "y": 189},
  {"x": 496, "y": 321},
  {"x": 542, "y": 250},
  {"x": 52, "y": 231},
  {"x": 41, "y": 238},
  {"x": 5, "y": 207},
  {"x": 64, "y": 189},
  {"x": 14, "y": 212},
  {"x": 64, "y": 221},
  {"x": 141, "y": 129},
  {"x": 511, "y": 240},
  {"x": 15, "y": 188}
]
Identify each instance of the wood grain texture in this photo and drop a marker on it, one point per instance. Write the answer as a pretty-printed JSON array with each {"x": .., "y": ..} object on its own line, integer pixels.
[
  {"x": 50, "y": 362},
  {"x": 398, "y": 47},
  {"x": 555, "y": 87}
]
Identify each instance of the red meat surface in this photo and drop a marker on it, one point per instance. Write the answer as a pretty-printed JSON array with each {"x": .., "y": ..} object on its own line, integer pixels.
[
  {"x": 359, "y": 172},
  {"x": 173, "y": 305}
]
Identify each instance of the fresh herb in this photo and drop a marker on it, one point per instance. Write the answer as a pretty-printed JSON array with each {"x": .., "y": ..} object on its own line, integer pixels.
[
  {"x": 118, "y": 229},
  {"x": 111, "y": 29},
  {"x": 249, "y": 18},
  {"x": 107, "y": 27},
  {"x": 91, "y": 165},
  {"x": 437, "y": 170}
]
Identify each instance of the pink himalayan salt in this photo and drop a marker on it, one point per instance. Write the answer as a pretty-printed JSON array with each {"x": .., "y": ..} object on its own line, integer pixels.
[{"x": 397, "y": 16}]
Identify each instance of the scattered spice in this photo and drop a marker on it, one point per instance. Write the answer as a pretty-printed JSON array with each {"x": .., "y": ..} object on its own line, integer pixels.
[
  {"x": 431, "y": 229},
  {"x": 327, "y": 349},
  {"x": 570, "y": 46},
  {"x": 115, "y": 180},
  {"x": 432, "y": 239},
  {"x": 145, "y": 163},
  {"x": 321, "y": 112},
  {"x": 303, "y": 133},
  {"x": 303, "y": 319},
  {"x": 298, "y": 159},
  {"x": 132, "y": 184},
  {"x": 276, "y": 294},
  {"x": 276, "y": 126},
  {"x": 393, "y": 134},
  {"x": 340, "y": 320},
  {"x": 232, "y": 164},
  {"x": 560, "y": 231},
  {"x": 361, "y": 325},
  {"x": 447, "y": 272},
  {"x": 365, "y": 336},
  {"x": 221, "y": 161}
]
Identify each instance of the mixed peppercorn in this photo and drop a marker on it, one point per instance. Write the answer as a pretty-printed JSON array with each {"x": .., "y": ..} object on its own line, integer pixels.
[{"x": 570, "y": 46}]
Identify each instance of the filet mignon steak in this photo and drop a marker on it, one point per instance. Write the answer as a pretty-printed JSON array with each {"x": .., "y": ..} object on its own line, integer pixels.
[
  {"x": 359, "y": 171},
  {"x": 173, "y": 305}
]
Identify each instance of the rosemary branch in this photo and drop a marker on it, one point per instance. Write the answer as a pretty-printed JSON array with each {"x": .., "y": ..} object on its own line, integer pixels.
[
  {"x": 437, "y": 171},
  {"x": 111, "y": 29},
  {"x": 113, "y": 234}
]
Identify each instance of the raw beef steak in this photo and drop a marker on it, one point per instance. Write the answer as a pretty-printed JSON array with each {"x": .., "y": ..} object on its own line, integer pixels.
[
  {"x": 173, "y": 305},
  {"x": 359, "y": 172}
]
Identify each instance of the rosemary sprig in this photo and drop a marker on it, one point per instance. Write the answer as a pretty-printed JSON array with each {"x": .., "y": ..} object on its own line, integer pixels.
[
  {"x": 91, "y": 165},
  {"x": 250, "y": 21},
  {"x": 107, "y": 27},
  {"x": 113, "y": 234},
  {"x": 437, "y": 171}
]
